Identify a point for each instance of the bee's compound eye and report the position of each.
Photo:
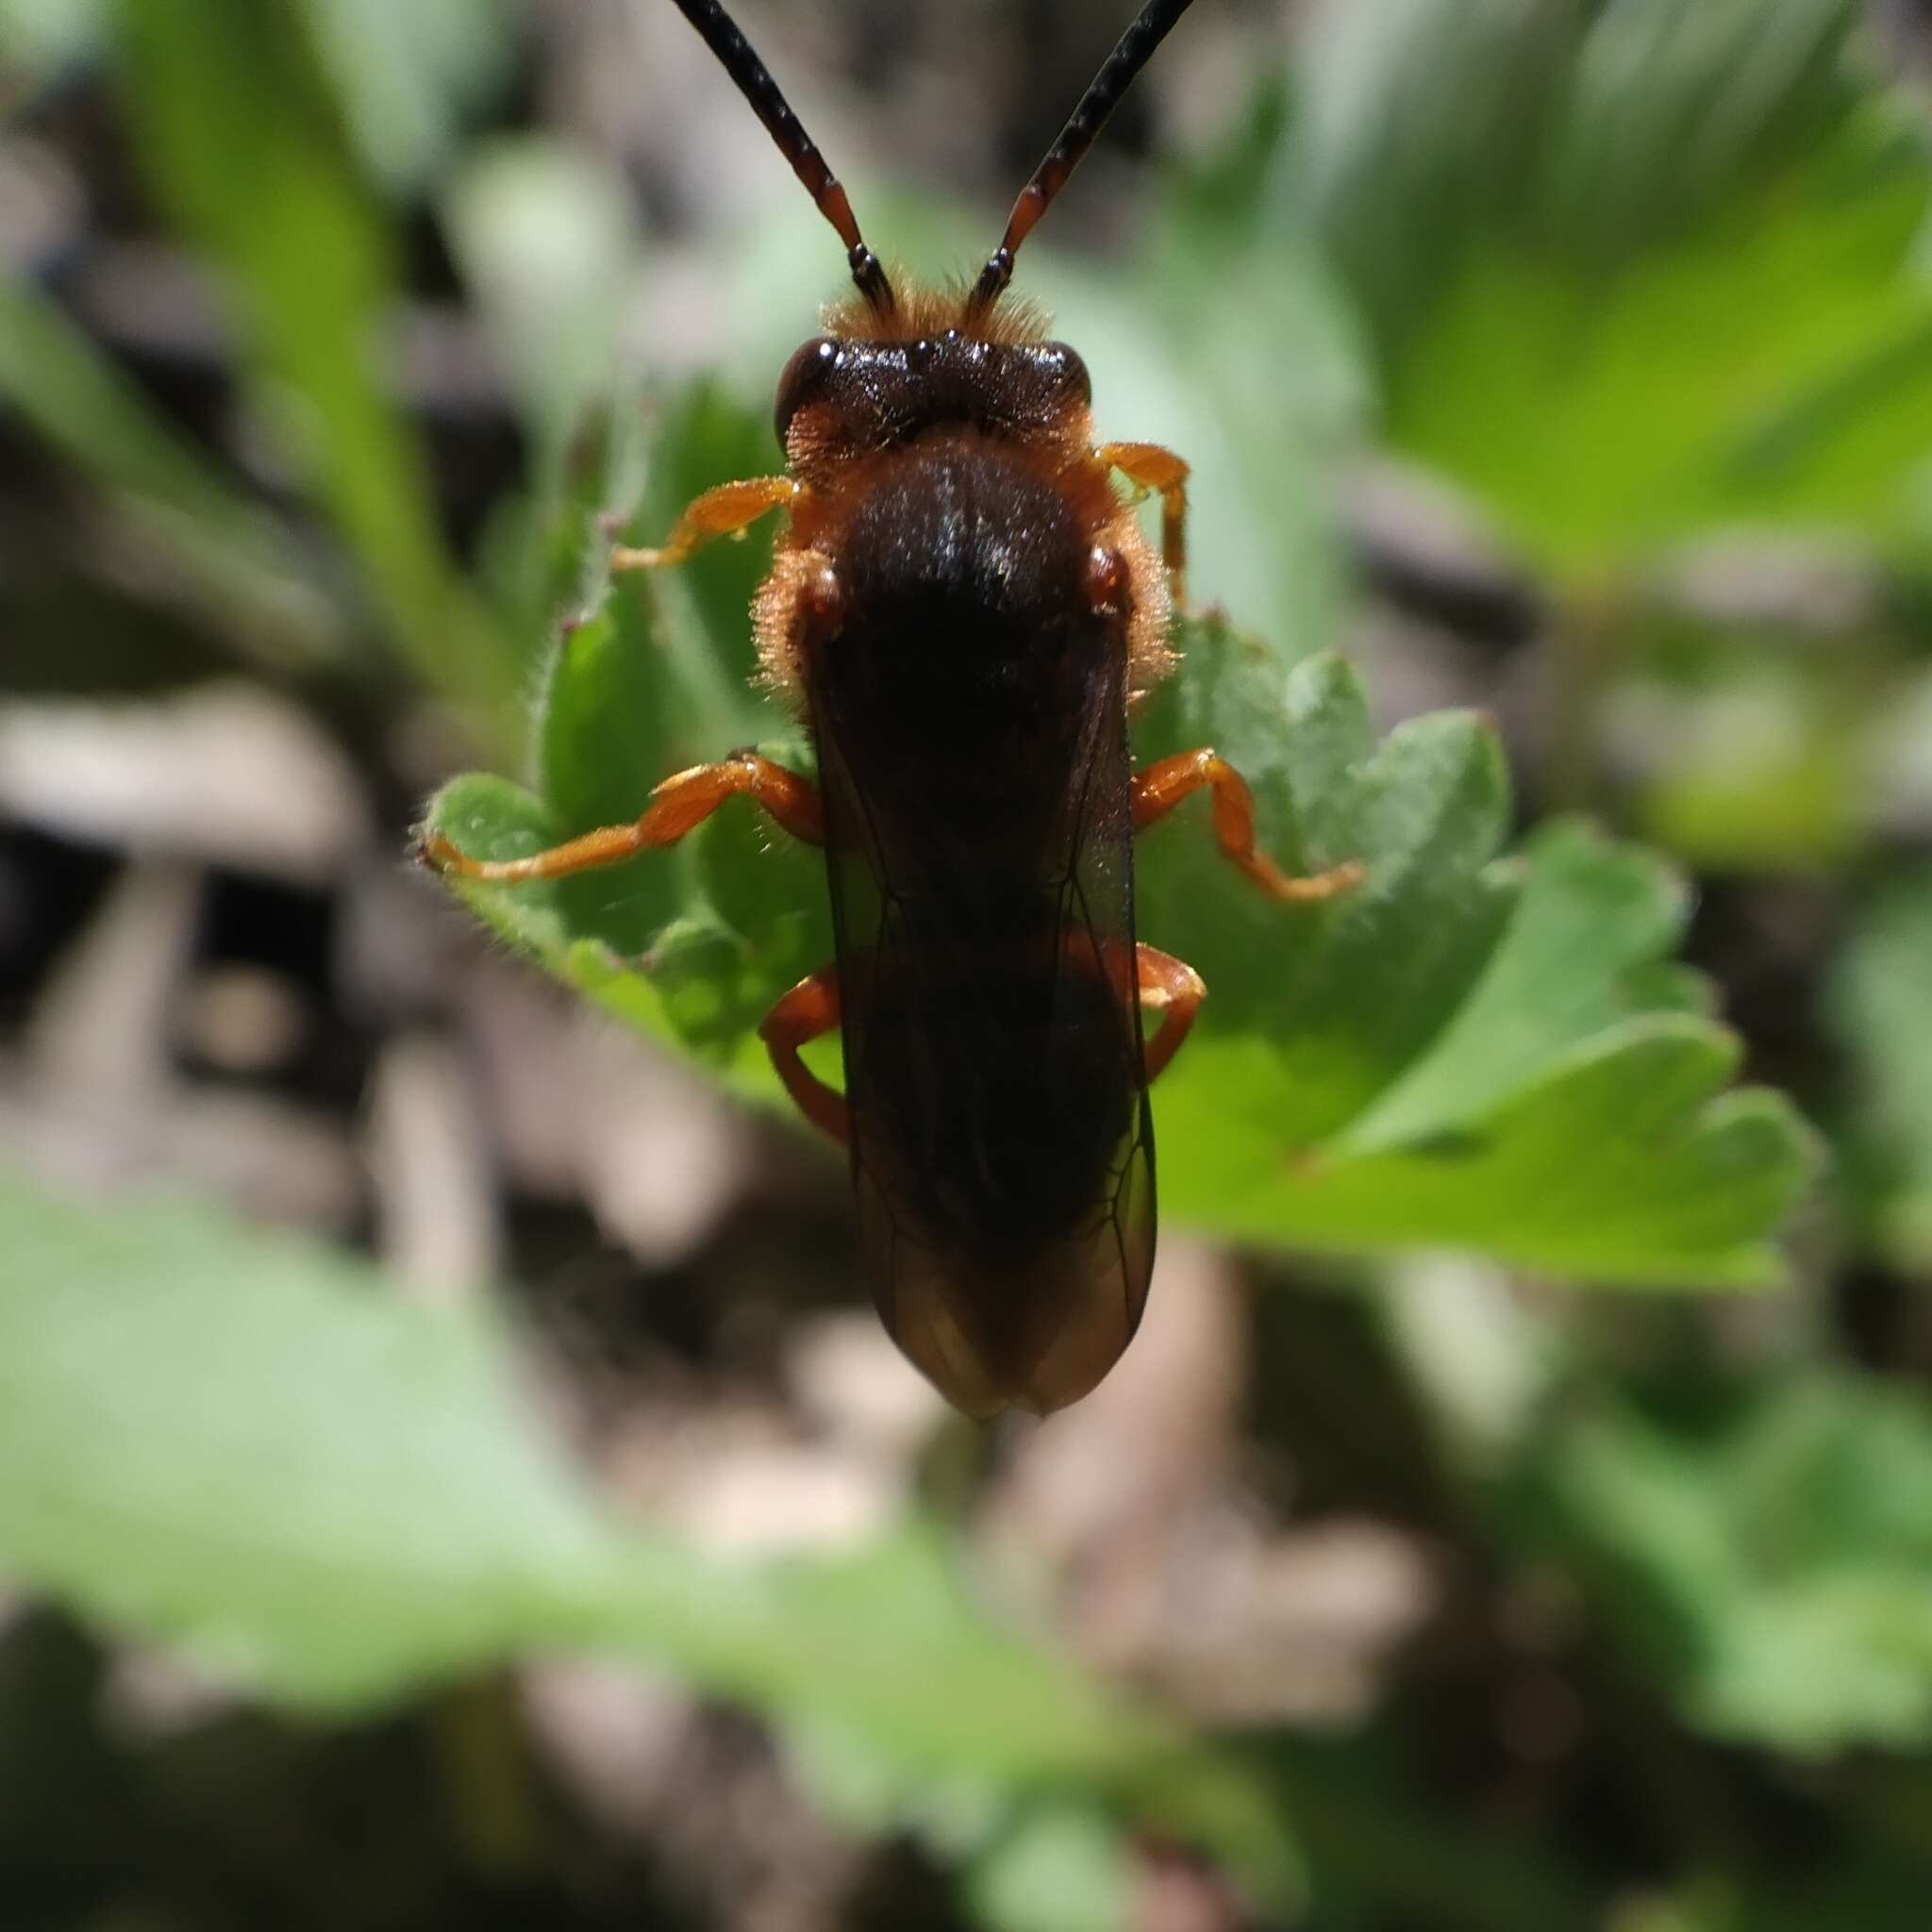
(1069, 372)
(1106, 580)
(804, 379)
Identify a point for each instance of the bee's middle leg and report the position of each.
(1162, 786)
(679, 805)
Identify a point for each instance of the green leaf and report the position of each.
(1774, 366)
(1063, 1870)
(1592, 130)
(1416, 119)
(262, 1451)
(1776, 1569)
(1747, 749)
(241, 138)
(1623, 1164)
(1592, 920)
(1670, 109)
(1468, 1051)
(238, 1443)
(1642, 271)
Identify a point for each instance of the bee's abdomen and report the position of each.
(971, 718)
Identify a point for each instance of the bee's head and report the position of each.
(871, 393)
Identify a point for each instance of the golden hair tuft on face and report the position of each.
(920, 313)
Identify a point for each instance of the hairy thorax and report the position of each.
(969, 649)
(948, 481)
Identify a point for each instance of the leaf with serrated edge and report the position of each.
(1467, 1050)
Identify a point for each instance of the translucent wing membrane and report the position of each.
(1001, 1148)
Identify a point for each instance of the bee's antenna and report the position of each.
(754, 80)
(1116, 75)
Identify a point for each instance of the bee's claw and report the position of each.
(432, 851)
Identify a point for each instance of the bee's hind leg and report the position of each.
(729, 510)
(808, 1011)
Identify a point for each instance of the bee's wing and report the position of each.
(1002, 1149)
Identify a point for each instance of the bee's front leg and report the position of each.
(729, 510)
(1151, 466)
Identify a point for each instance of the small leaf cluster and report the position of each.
(1468, 1050)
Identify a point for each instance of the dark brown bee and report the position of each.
(962, 608)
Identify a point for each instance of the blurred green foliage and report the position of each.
(242, 140)
(1771, 1563)
(1880, 1003)
(1644, 282)
(172, 1401)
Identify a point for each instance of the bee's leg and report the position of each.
(1174, 991)
(1148, 466)
(677, 806)
(808, 1010)
(1162, 786)
(726, 511)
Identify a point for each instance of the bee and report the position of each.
(962, 608)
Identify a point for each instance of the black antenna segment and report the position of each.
(754, 80)
(1116, 75)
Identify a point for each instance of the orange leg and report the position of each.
(1174, 990)
(677, 806)
(1161, 787)
(1148, 466)
(726, 511)
(1168, 987)
(809, 1010)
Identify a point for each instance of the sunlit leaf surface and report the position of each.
(1473, 1050)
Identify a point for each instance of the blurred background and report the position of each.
(1568, 360)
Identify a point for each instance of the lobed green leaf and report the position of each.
(1467, 1050)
